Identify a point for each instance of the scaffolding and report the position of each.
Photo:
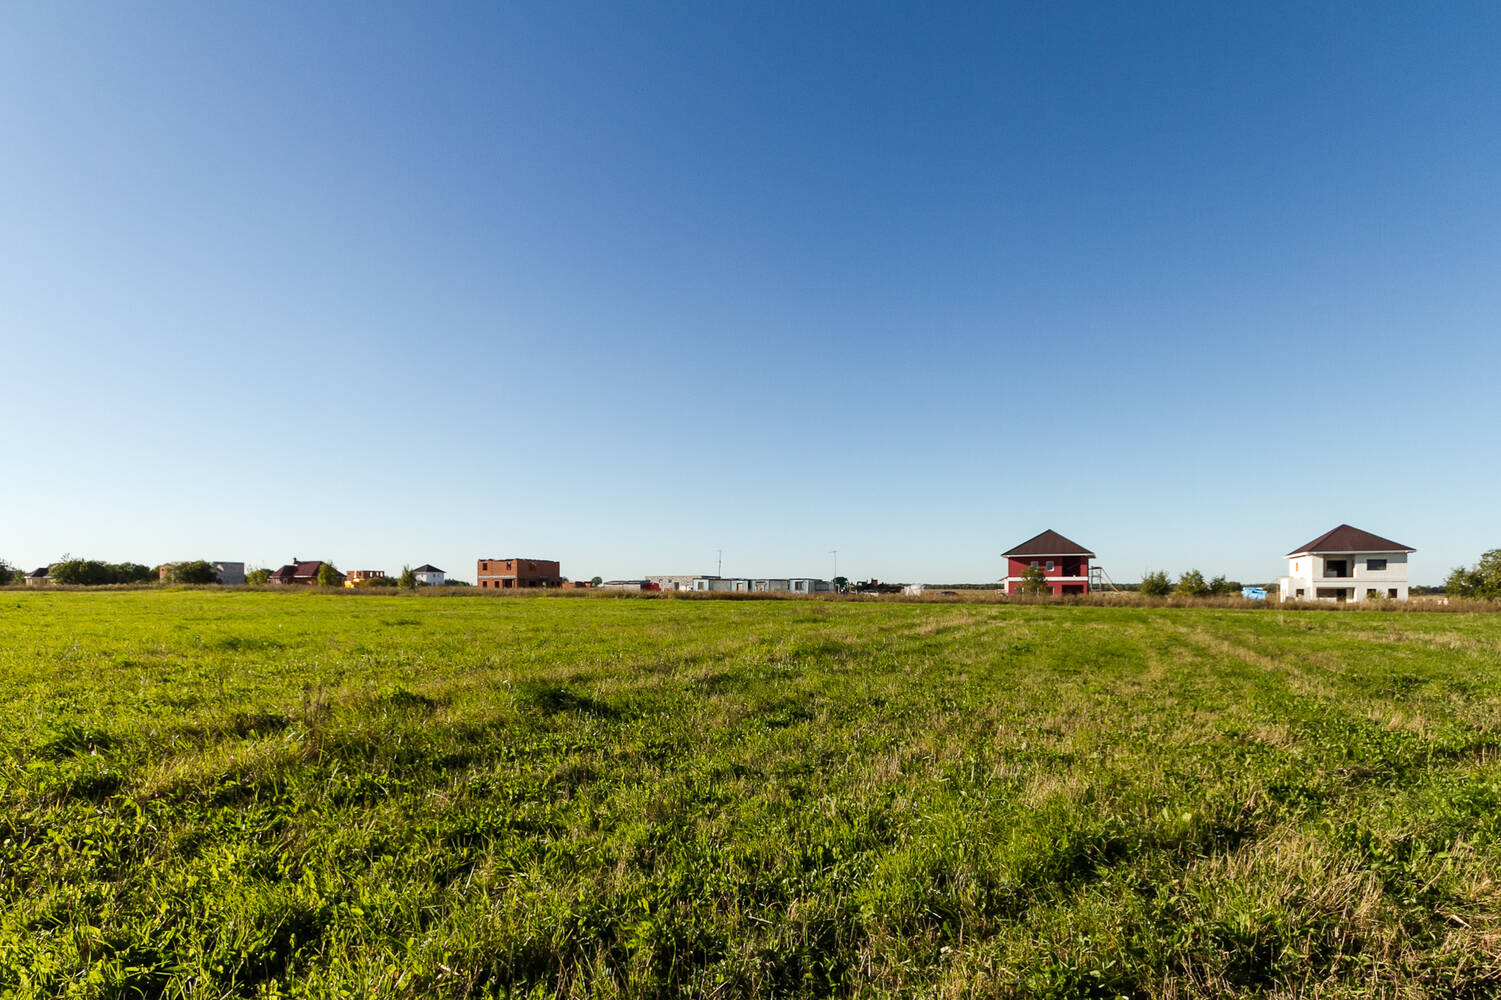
(1099, 578)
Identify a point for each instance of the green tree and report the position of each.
(597, 580)
(1034, 581)
(258, 577)
(329, 575)
(82, 573)
(1220, 587)
(197, 571)
(1191, 584)
(408, 579)
(1155, 584)
(9, 574)
(1483, 580)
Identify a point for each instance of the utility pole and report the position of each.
(719, 566)
(835, 554)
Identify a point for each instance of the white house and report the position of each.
(429, 575)
(1346, 564)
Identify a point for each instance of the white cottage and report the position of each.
(429, 575)
(1346, 564)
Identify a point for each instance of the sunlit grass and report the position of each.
(258, 794)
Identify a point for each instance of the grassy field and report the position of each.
(208, 794)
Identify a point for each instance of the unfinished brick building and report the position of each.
(507, 574)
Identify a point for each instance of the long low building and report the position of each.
(761, 585)
(680, 582)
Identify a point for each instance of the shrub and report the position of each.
(1191, 584)
(258, 577)
(1156, 584)
(197, 571)
(329, 575)
(408, 578)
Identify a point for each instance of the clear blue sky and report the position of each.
(624, 284)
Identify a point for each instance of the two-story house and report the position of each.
(1346, 564)
(511, 573)
(1064, 564)
(429, 575)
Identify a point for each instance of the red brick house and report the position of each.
(1064, 563)
(506, 574)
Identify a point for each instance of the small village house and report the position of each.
(230, 574)
(37, 577)
(515, 573)
(1064, 564)
(302, 573)
(1346, 564)
(429, 575)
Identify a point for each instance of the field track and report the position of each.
(217, 794)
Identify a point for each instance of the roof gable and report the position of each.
(1049, 543)
(427, 568)
(1347, 539)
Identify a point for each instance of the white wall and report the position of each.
(1307, 572)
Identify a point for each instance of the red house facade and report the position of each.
(1064, 563)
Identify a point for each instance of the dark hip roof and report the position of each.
(1348, 539)
(1049, 543)
(427, 568)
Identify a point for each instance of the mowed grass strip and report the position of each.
(207, 794)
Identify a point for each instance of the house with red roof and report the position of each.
(1346, 564)
(300, 573)
(1064, 563)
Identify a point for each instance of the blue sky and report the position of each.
(623, 285)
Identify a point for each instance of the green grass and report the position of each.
(208, 794)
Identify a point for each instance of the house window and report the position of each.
(1034, 563)
(1300, 592)
(1375, 564)
(1050, 565)
(1392, 593)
